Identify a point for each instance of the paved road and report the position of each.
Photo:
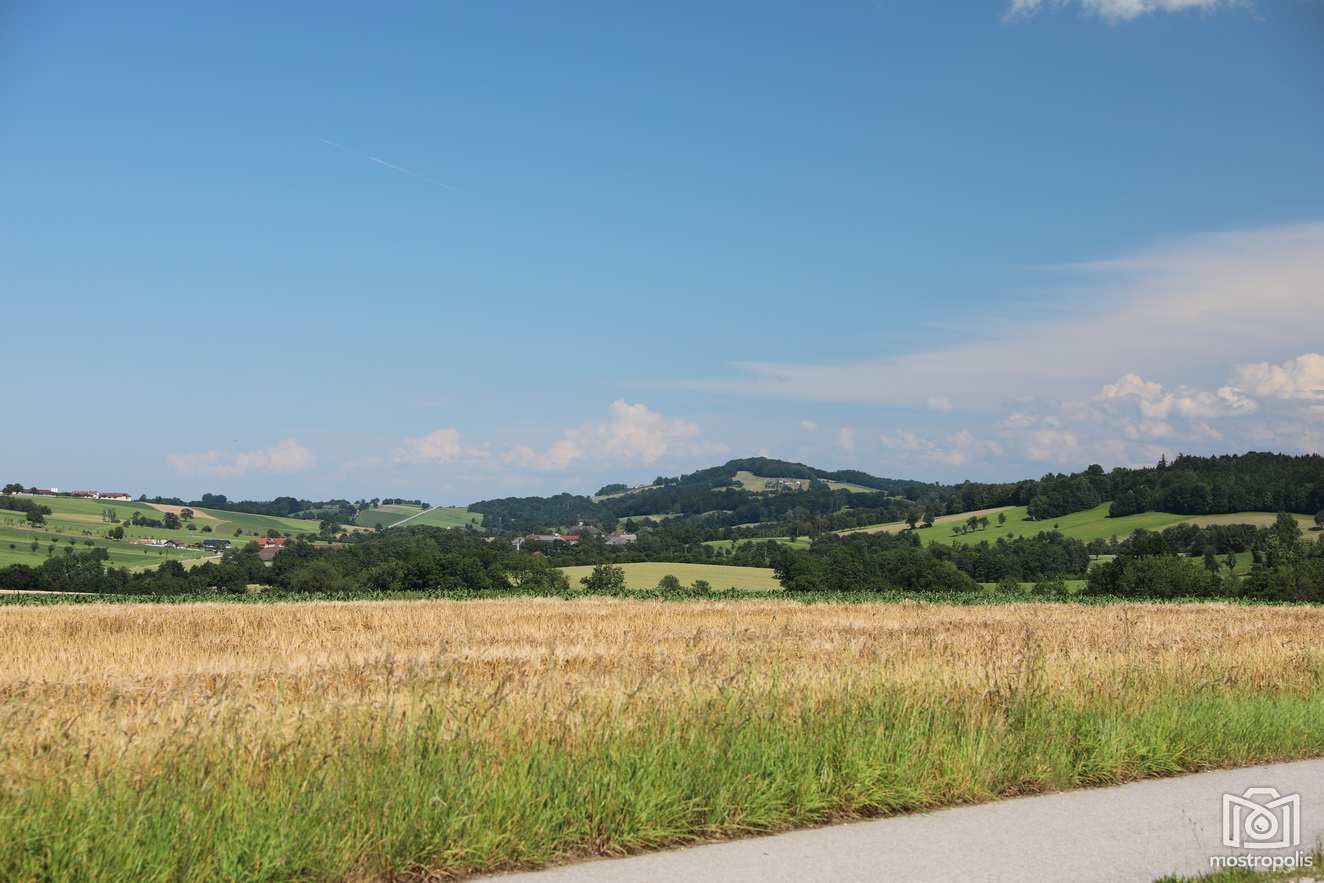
(1139, 832)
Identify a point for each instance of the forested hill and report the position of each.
(714, 497)
(718, 496)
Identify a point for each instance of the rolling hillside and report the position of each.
(1092, 524)
(761, 483)
(84, 522)
(385, 516)
(413, 516)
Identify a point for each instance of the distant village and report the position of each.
(615, 538)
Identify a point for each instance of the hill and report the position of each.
(443, 516)
(84, 524)
(1092, 524)
(385, 516)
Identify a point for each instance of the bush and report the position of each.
(605, 578)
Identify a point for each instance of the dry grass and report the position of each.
(92, 694)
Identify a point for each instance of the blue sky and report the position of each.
(458, 250)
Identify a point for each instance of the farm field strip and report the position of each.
(723, 545)
(386, 515)
(367, 740)
(645, 575)
(751, 482)
(443, 516)
(1091, 524)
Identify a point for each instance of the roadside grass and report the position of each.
(646, 575)
(401, 740)
(1244, 875)
(1091, 524)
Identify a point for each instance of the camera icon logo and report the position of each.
(1261, 818)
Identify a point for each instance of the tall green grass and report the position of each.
(404, 795)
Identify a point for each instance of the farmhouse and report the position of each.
(268, 552)
(264, 542)
(621, 538)
(570, 538)
(215, 544)
(784, 484)
(102, 495)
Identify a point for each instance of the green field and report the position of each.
(758, 483)
(81, 520)
(385, 516)
(444, 516)
(721, 576)
(1092, 524)
(724, 545)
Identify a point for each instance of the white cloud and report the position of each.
(846, 438)
(286, 455)
(808, 426)
(956, 449)
(1299, 378)
(439, 446)
(631, 434)
(1115, 11)
(1153, 402)
(1153, 314)
(1056, 445)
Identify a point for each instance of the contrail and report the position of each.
(390, 165)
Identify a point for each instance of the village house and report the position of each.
(568, 538)
(621, 538)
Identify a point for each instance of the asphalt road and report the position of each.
(1134, 832)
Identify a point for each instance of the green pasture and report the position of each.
(16, 548)
(385, 516)
(646, 575)
(82, 521)
(727, 545)
(445, 516)
(758, 483)
(1091, 524)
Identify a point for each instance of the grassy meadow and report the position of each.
(721, 576)
(751, 482)
(1091, 524)
(368, 740)
(442, 516)
(385, 516)
(447, 516)
(81, 521)
(724, 545)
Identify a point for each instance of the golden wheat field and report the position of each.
(600, 725)
(122, 677)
